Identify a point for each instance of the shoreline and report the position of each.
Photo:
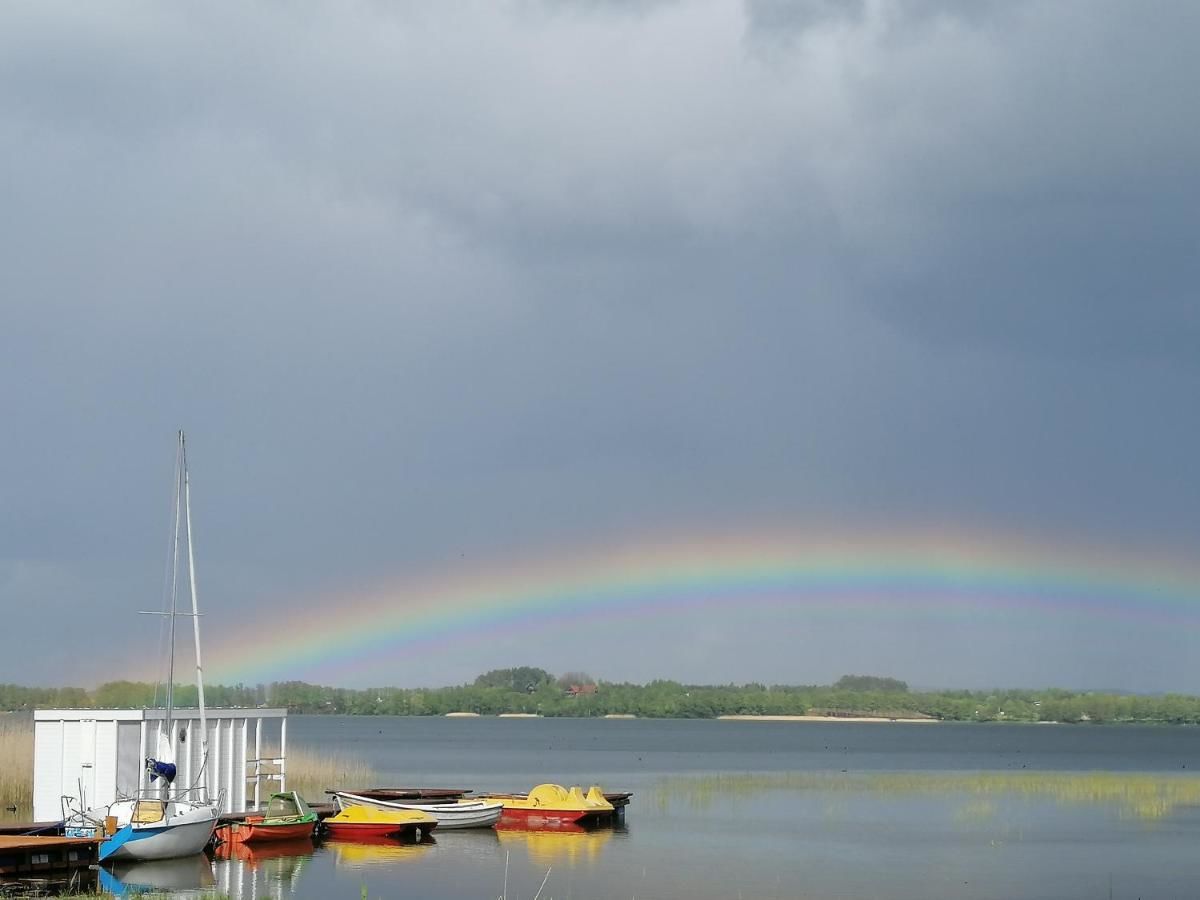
(746, 718)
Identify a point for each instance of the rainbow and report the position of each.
(931, 573)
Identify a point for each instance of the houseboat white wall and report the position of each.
(102, 753)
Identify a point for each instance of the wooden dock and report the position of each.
(31, 828)
(23, 854)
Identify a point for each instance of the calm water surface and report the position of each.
(762, 810)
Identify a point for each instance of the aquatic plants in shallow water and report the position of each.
(1138, 795)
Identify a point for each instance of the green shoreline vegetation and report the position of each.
(535, 691)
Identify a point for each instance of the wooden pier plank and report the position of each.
(36, 853)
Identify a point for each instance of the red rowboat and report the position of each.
(286, 818)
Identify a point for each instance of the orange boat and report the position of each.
(286, 818)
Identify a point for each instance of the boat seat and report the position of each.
(146, 811)
(548, 795)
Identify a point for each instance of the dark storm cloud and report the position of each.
(1015, 175)
(781, 18)
(792, 18)
(444, 280)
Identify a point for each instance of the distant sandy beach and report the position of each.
(821, 719)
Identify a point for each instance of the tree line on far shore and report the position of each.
(532, 690)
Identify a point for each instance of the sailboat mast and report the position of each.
(187, 507)
(180, 462)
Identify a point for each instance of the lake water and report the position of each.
(727, 809)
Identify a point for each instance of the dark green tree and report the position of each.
(524, 679)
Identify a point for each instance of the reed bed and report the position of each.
(16, 763)
(312, 773)
(1135, 795)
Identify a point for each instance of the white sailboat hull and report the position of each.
(465, 814)
(183, 834)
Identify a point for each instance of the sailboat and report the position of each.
(164, 820)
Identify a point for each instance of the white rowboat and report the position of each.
(451, 814)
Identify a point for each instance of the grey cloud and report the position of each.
(768, 17)
(989, 194)
(479, 279)
(772, 21)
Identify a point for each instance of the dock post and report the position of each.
(258, 763)
(283, 756)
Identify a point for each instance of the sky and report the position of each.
(443, 292)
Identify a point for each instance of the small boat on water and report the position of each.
(151, 829)
(363, 822)
(450, 814)
(286, 818)
(548, 805)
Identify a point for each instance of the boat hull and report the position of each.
(167, 839)
(450, 816)
(250, 832)
(349, 831)
(516, 817)
(363, 821)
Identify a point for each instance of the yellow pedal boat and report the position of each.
(362, 822)
(550, 805)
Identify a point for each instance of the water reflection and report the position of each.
(365, 852)
(256, 854)
(175, 876)
(477, 844)
(271, 869)
(568, 844)
(1145, 796)
(50, 884)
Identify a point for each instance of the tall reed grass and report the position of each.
(16, 763)
(312, 773)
